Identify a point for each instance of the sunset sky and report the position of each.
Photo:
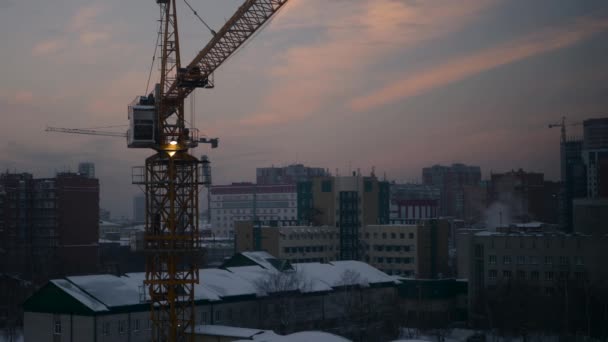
(341, 84)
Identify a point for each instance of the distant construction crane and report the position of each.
(563, 125)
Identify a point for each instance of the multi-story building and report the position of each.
(542, 266)
(291, 174)
(415, 250)
(412, 202)
(347, 203)
(451, 180)
(595, 156)
(573, 177)
(86, 169)
(51, 226)
(247, 201)
(525, 195)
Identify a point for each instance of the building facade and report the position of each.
(347, 203)
(545, 267)
(416, 250)
(247, 201)
(413, 202)
(595, 156)
(451, 180)
(51, 225)
(291, 174)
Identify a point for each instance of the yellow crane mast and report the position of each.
(171, 177)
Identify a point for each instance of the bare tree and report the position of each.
(281, 289)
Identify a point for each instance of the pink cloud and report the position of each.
(309, 77)
(47, 47)
(84, 17)
(460, 68)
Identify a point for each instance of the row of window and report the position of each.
(392, 235)
(259, 211)
(534, 275)
(393, 248)
(534, 260)
(308, 249)
(106, 327)
(396, 260)
(534, 242)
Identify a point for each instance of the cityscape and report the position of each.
(458, 193)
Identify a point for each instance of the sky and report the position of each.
(394, 85)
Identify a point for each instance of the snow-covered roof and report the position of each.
(110, 289)
(79, 295)
(303, 336)
(261, 258)
(104, 292)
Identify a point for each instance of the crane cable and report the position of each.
(153, 58)
(199, 18)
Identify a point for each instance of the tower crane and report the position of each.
(171, 176)
(563, 125)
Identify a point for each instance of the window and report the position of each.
(380, 259)
(492, 259)
(411, 235)
(578, 260)
(506, 274)
(521, 275)
(326, 186)
(218, 315)
(506, 260)
(521, 259)
(122, 326)
(548, 260)
(548, 275)
(57, 326)
(136, 325)
(532, 260)
(492, 274)
(563, 260)
(534, 275)
(401, 235)
(105, 328)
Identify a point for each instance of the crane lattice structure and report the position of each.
(171, 177)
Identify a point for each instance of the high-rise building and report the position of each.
(451, 181)
(574, 179)
(290, 174)
(139, 209)
(86, 169)
(595, 156)
(347, 202)
(248, 201)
